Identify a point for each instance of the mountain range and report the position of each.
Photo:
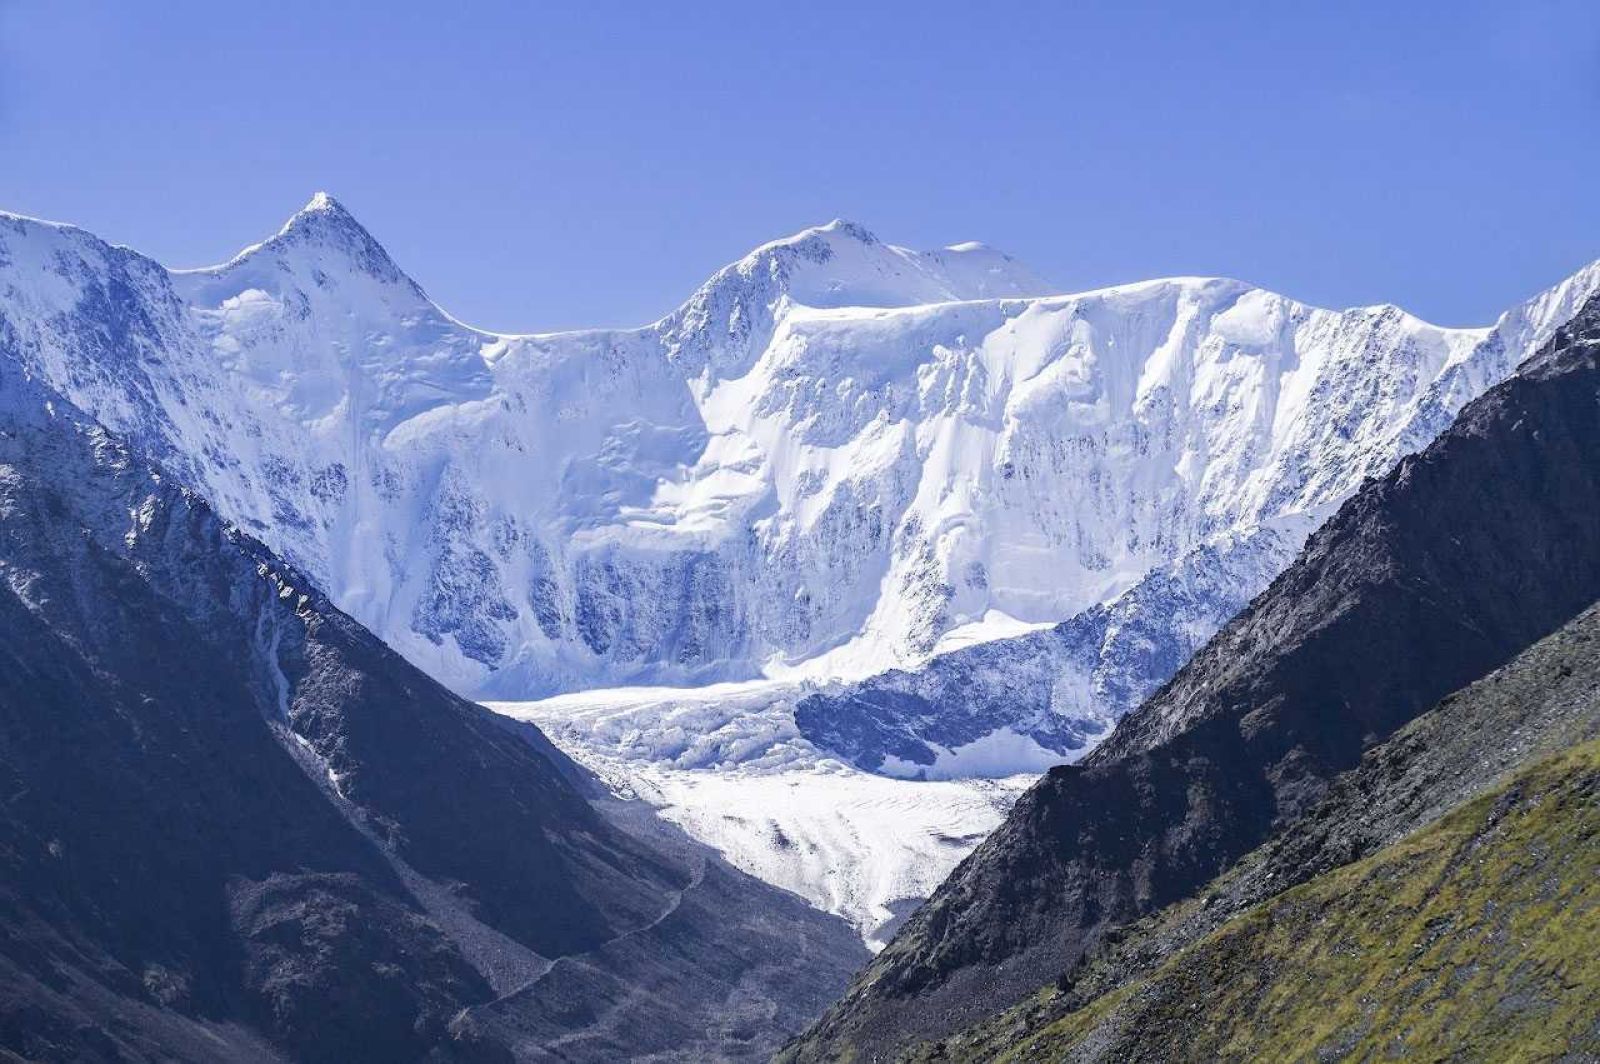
(833, 456)
(935, 523)
(826, 566)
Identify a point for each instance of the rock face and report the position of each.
(1119, 1001)
(836, 449)
(237, 825)
(1427, 579)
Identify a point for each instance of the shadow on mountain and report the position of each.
(235, 825)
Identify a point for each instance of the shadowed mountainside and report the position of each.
(234, 824)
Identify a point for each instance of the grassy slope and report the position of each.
(1477, 938)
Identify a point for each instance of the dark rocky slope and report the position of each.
(1426, 580)
(1543, 703)
(1475, 939)
(234, 825)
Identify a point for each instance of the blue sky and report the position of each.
(540, 166)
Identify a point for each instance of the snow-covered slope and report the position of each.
(838, 457)
(836, 450)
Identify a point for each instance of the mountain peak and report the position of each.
(843, 263)
(323, 227)
(842, 227)
(839, 264)
(322, 201)
(323, 215)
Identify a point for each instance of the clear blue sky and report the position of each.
(540, 166)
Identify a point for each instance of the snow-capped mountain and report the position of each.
(524, 514)
(836, 449)
(838, 457)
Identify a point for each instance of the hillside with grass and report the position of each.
(1477, 938)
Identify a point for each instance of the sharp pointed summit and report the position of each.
(324, 242)
(323, 214)
(321, 205)
(326, 222)
(322, 201)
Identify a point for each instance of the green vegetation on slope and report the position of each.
(1477, 938)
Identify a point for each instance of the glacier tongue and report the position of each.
(726, 763)
(928, 520)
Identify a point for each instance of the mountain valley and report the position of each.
(378, 685)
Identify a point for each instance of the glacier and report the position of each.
(727, 764)
(894, 527)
